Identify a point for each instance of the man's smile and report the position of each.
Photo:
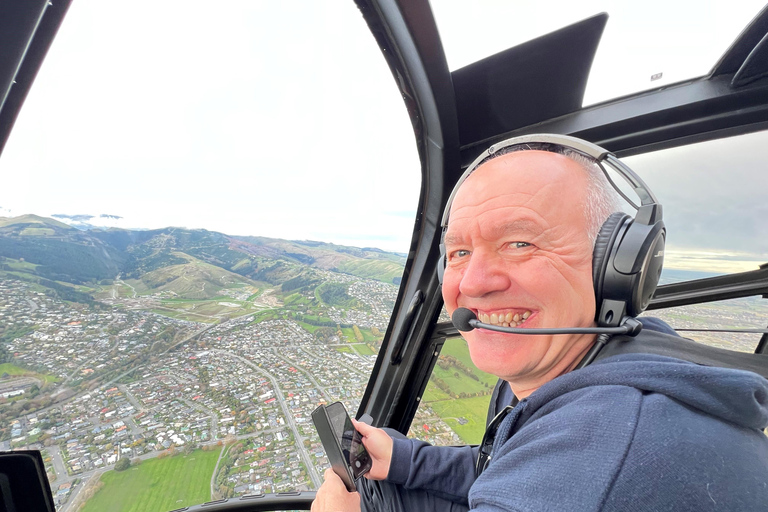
(504, 318)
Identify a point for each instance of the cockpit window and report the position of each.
(204, 219)
(713, 194)
(645, 45)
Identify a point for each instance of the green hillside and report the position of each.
(194, 264)
(25, 220)
(382, 270)
(194, 279)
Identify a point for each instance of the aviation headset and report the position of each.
(628, 252)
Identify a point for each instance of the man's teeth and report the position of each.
(504, 320)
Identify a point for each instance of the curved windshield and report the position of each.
(204, 218)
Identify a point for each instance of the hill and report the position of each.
(193, 279)
(193, 264)
(60, 252)
(32, 220)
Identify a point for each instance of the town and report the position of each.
(167, 385)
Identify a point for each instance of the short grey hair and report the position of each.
(602, 199)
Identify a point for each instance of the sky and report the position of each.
(282, 119)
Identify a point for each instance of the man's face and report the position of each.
(518, 252)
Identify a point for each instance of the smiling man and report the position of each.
(518, 247)
(628, 432)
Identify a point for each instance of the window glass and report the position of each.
(454, 406)
(713, 194)
(644, 45)
(745, 313)
(204, 219)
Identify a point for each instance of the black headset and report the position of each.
(628, 253)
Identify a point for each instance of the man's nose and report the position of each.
(484, 274)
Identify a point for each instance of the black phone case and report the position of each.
(332, 447)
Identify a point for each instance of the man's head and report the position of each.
(519, 247)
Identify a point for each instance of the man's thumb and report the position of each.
(363, 428)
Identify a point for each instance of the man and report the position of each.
(630, 432)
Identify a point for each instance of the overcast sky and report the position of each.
(281, 118)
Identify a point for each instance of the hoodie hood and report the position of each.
(736, 396)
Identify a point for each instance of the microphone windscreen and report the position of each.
(461, 318)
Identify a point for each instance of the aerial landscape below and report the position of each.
(161, 368)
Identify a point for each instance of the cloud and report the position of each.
(713, 194)
(74, 218)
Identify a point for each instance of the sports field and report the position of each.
(157, 485)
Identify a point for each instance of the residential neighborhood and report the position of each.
(171, 385)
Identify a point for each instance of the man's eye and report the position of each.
(461, 253)
(520, 245)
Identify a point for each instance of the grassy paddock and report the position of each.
(12, 369)
(157, 485)
(433, 393)
(368, 336)
(474, 410)
(307, 327)
(363, 349)
(457, 348)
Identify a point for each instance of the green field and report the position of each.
(474, 410)
(23, 266)
(457, 348)
(363, 349)
(433, 393)
(157, 485)
(343, 348)
(368, 336)
(13, 370)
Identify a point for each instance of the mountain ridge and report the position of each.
(157, 257)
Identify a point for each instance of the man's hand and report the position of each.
(333, 496)
(379, 446)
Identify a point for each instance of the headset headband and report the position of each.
(600, 155)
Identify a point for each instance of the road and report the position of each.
(299, 440)
(58, 463)
(216, 469)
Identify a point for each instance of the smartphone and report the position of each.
(343, 444)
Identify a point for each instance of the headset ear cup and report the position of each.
(604, 243)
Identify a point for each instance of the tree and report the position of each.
(123, 464)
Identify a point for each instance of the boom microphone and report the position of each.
(465, 320)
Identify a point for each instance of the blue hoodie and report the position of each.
(627, 433)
